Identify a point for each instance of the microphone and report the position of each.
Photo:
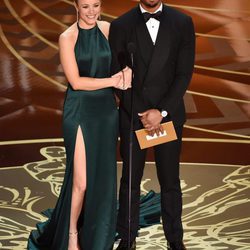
(131, 50)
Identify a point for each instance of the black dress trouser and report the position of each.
(167, 158)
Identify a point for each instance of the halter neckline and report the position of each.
(80, 28)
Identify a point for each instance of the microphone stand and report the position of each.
(131, 147)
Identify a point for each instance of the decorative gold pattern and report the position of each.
(213, 212)
(60, 84)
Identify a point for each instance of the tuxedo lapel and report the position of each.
(161, 48)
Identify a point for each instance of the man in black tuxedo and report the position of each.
(164, 42)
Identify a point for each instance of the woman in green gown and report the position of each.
(85, 214)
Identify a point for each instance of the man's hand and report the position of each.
(127, 76)
(151, 120)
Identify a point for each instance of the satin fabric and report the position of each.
(95, 113)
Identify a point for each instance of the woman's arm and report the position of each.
(68, 61)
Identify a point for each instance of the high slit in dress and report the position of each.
(95, 113)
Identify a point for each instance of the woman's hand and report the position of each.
(125, 77)
(117, 81)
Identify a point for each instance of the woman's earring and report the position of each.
(99, 17)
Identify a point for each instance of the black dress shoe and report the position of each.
(176, 245)
(123, 245)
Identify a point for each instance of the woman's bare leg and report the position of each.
(78, 189)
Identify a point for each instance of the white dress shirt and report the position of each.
(153, 24)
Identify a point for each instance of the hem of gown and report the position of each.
(36, 233)
(150, 213)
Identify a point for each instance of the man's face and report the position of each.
(150, 4)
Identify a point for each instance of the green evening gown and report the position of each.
(96, 114)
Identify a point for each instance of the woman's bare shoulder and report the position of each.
(104, 27)
(70, 34)
(104, 23)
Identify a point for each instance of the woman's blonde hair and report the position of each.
(76, 1)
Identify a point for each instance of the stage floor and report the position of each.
(215, 196)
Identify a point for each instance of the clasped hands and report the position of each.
(123, 79)
(151, 120)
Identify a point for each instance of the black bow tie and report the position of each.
(148, 15)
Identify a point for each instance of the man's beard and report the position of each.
(149, 5)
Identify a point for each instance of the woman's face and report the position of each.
(89, 11)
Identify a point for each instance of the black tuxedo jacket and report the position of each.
(162, 71)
